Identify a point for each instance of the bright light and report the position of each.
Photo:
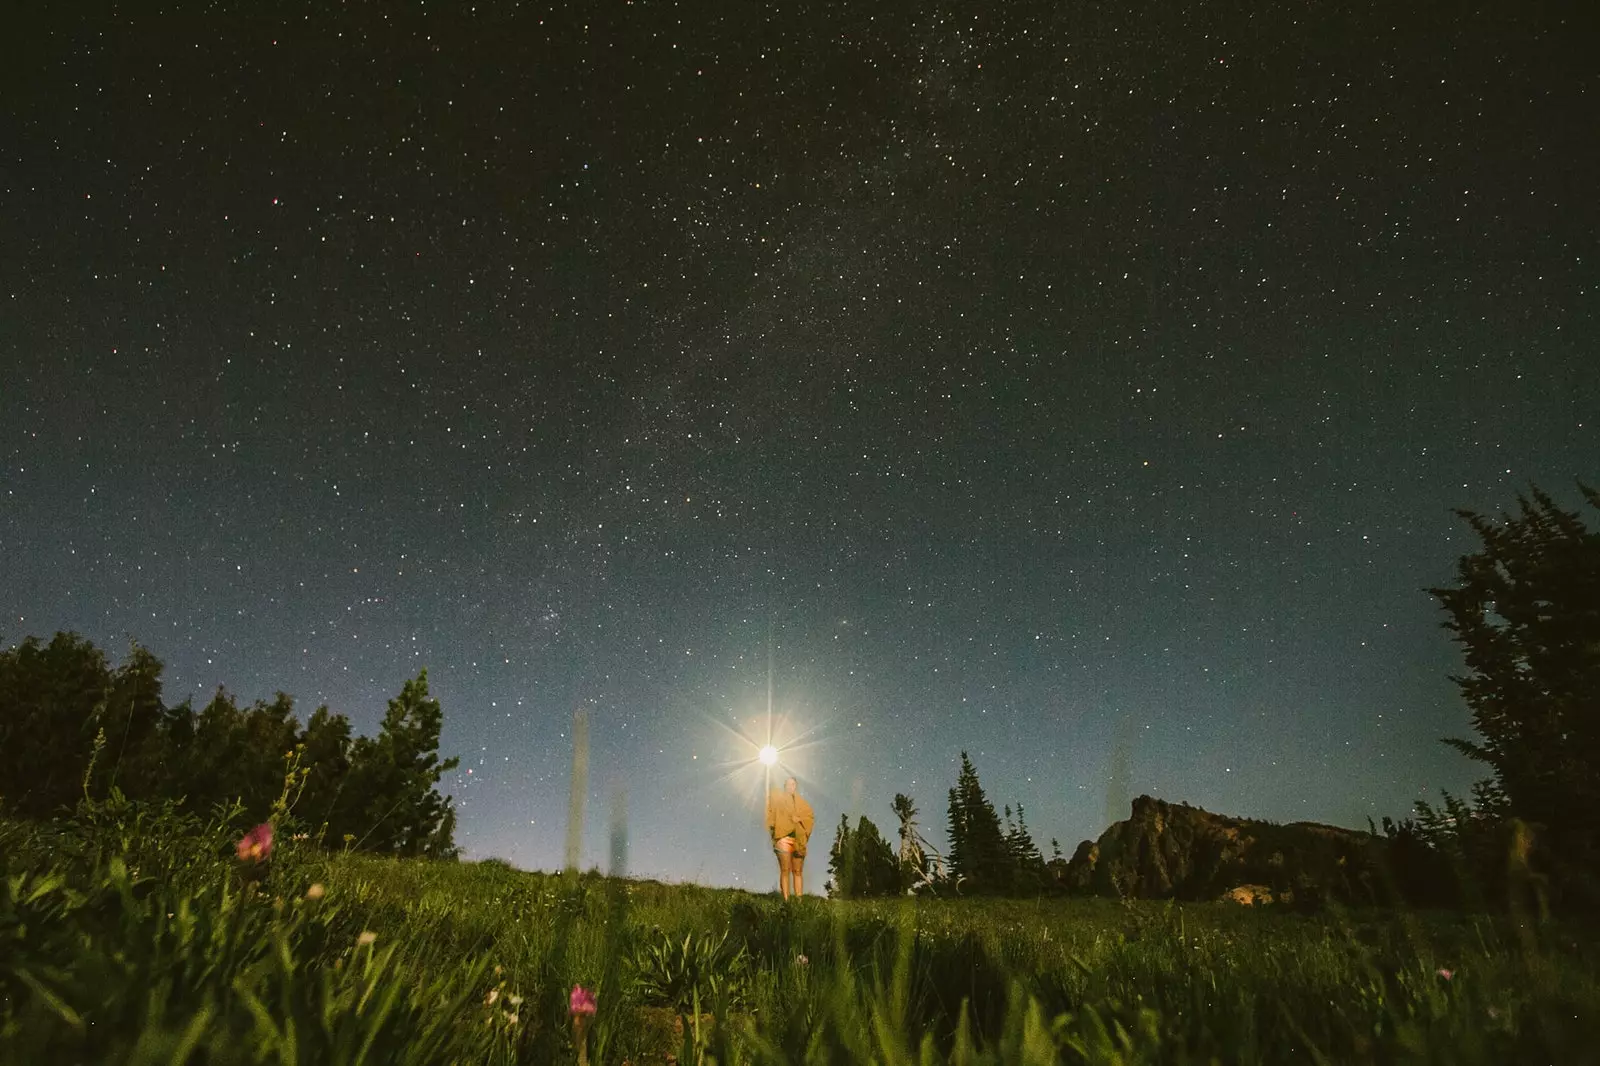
(769, 756)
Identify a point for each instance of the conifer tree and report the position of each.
(861, 862)
(979, 858)
(838, 859)
(1026, 862)
(956, 830)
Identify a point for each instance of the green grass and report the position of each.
(139, 939)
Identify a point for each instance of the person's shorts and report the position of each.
(797, 847)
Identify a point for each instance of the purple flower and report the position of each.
(256, 844)
(582, 1001)
(1446, 974)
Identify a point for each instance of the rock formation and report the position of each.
(1167, 851)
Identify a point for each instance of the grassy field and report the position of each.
(139, 937)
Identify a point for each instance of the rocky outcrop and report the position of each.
(1168, 851)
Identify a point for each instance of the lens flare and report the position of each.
(768, 756)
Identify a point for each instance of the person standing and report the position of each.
(789, 820)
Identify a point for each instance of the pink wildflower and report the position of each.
(256, 844)
(1446, 974)
(582, 1007)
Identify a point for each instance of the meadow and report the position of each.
(138, 935)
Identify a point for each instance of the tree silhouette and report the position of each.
(392, 778)
(1526, 613)
(980, 861)
(1028, 873)
(61, 702)
(133, 718)
(861, 863)
(912, 860)
(325, 806)
(51, 696)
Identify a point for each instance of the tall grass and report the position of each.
(134, 936)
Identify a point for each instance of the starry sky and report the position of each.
(1085, 386)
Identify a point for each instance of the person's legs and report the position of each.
(783, 873)
(797, 864)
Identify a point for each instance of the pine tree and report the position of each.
(956, 829)
(1055, 871)
(877, 870)
(979, 858)
(1027, 863)
(839, 876)
(861, 862)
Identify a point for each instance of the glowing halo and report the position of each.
(768, 755)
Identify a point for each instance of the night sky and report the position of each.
(1086, 386)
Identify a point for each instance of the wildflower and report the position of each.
(512, 1019)
(801, 960)
(514, 1000)
(367, 937)
(494, 994)
(256, 844)
(1446, 974)
(316, 891)
(582, 1007)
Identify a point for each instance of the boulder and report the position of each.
(1250, 895)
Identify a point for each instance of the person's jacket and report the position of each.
(787, 814)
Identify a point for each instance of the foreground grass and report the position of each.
(144, 941)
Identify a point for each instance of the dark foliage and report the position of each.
(52, 700)
(1526, 612)
(986, 856)
(1028, 873)
(392, 777)
(980, 859)
(861, 863)
(72, 728)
